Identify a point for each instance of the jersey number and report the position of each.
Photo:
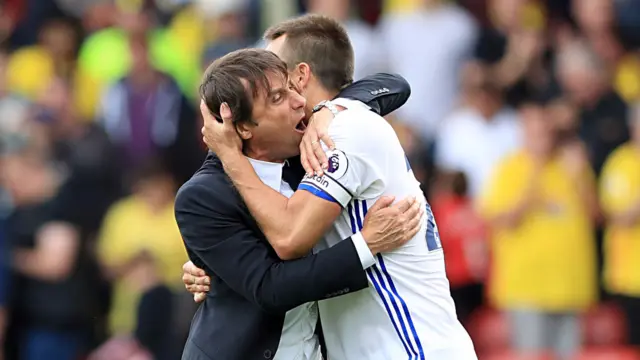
(433, 236)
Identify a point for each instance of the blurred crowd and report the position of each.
(523, 128)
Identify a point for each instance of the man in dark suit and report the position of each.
(257, 307)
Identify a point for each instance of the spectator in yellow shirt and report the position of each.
(30, 69)
(620, 198)
(143, 222)
(543, 247)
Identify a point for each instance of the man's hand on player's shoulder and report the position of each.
(195, 281)
(220, 137)
(387, 227)
(312, 155)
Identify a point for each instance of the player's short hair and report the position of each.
(237, 79)
(321, 42)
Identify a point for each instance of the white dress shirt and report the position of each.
(298, 340)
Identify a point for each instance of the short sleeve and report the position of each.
(358, 162)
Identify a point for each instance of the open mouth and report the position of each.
(302, 125)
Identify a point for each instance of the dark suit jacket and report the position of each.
(252, 289)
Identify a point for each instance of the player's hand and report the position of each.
(387, 226)
(221, 137)
(195, 281)
(312, 155)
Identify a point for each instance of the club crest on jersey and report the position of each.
(338, 164)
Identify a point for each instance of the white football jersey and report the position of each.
(407, 311)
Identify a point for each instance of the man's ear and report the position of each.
(301, 76)
(244, 130)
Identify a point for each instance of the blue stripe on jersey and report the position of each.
(404, 306)
(376, 285)
(353, 220)
(381, 288)
(318, 192)
(395, 291)
(356, 205)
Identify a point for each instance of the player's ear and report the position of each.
(244, 130)
(301, 75)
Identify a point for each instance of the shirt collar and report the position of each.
(270, 173)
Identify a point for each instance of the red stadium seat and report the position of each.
(604, 325)
(512, 355)
(489, 330)
(609, 353)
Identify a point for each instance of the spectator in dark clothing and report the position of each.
(47, 264)
(154, 335)
(83, 151)
(51, 234)
(603, 114)
(628, 16)
(154, 330)
(28, 16)
(513, 47)
(146, 116)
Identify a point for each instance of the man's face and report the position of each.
(297, 82)
(279, 114)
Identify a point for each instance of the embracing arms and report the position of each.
(222, 244)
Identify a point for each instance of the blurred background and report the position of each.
(523, 128)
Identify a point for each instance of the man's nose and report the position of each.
(297, 100)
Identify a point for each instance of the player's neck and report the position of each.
(317, 94)
(256, 154)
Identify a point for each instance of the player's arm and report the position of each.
(293, 226)
(386, 227)
(383, 93)
(231, 252)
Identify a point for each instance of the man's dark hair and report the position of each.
(237, 78)
(322, 43)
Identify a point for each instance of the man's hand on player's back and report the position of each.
(386, 228)
(195, 280)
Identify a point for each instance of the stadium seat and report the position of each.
(609, 353)
(604, 325)
(489, 330)
(512, 355)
